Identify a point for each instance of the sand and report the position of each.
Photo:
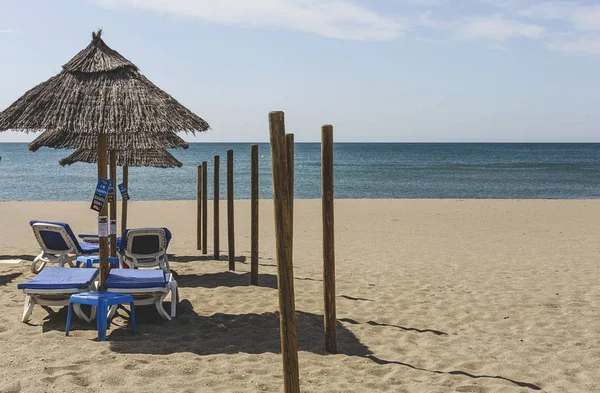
(432, 296)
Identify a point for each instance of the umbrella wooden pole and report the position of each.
(102, 218)
(254, 215)
(113, 204)
(289, 151)
(216, 209)
(328, 239)
(204, 207)
(283, 240)
(199, 210)
(124, 201)
(230, 214)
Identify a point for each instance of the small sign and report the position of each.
(113, 227)
(102, 226)
(100, 195)
(124, 192)
(111, 192)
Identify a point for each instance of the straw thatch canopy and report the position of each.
(100, 91)
(159, 158)
(62, 139)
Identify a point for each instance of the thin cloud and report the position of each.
(579, 45)
(498, 28)
(341, 19)
(581, 17)
(7, 31)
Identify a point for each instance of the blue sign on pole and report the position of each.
(100, 194)
(111, 192)
(124, 192)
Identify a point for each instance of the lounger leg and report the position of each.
(28, 308)
(113, 311)
(80, 314)
(160, 308)
(69, 315)
(37, 259)
(174, 298)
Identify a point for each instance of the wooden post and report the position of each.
(102, 218)
(204, 207)
(113, 204)
(216, 208)
(283, 239)
(230, 216)
(123, 201)
(254, 214)
(199, 209)
(289, 151)
(328, 239)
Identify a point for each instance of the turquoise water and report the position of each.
(362, 170)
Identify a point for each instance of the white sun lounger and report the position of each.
(54, 286)
(146, 286)
(145, 247)
(58, 244)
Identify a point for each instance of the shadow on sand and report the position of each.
(24, 257)
(8, 278)
(252, 333)
(223, 279)
(204, 258)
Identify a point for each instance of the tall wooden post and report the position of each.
(102, 218)
(328, 239)
(283, 239)
(124, 201)
(254, 214)
(216, 208)
(204, 207)
(230, 215)
(113, 204)
(199, 209)
(289, 152)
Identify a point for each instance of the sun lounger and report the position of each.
(147, 287)
(145, 247)
(58, 244)
(54, 286)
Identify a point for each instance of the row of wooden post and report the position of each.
(282, 164)
(202, 210)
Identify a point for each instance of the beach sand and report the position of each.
(432, 296)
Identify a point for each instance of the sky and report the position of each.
(377, 70)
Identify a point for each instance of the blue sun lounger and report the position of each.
(145, 247)
(54, 286)
(58, 244)
(146, 286)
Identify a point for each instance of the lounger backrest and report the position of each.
(146, 246)
(55, 237)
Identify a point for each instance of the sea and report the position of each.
(361, 170)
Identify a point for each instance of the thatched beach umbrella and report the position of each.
(100, 100)
(158, 158)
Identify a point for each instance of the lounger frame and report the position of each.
(56, 297)
(149, 296)
(47, 255)
(158, 259)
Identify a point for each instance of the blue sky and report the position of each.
(379, 70)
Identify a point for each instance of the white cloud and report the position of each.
(581, 17)
(7, 31)
(330, 18)
(428, 21)
(580, 45)
(497, 28)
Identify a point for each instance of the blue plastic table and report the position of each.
(89, 261)
(101, 300)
